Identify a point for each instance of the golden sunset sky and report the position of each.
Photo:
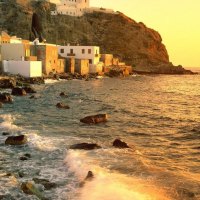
(178, 22)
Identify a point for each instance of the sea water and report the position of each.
(157, 116)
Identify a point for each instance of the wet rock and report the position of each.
(1, 105)
(28, 155)
(46, 183)
(16, 140)
(94, 119)
(61, 105)
(23, 158)
(85, 146)
(119, 144)
(32, 97)
(18, 91)
(29, 89)
(5, 133)
(63, 94)
(89, 176)
(5, 98)
(7, 82)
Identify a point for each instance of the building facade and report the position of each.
(92, 53)
(48, 54)
(71, 7)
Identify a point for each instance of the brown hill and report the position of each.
(118, 34)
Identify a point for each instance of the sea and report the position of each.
(158, 116)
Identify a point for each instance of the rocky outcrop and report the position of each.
(140, 46)
(5, 98)
(6, 82)
(85, 146)
(46, 183)
(16, 140)
(119, 144)
(94, 119)
(18, 91)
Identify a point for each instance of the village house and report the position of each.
(90, 53)
(16, 58)
(48, 54)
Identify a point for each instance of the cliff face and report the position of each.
(132, 42)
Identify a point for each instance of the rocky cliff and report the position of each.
(118, 34)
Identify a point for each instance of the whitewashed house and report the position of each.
(71, 7)
(91, 53)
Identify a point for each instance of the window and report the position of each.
(89, 51)
(83, 51)
(90, 61)
(71, 51)
(61, 50)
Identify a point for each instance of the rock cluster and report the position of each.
(94, 119)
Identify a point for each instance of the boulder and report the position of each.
(5, 98)
(46, 183)
(5, 133)
(119, 144)
(16, 140)
(85, 146)
(29, 89)
(63, 94)
(18, 91)
(61, 105)
(94, 119)
(7, 83)
(31, 189)
(23, 158)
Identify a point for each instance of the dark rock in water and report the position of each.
(85, 146)
(25, 188)
(18, 91)
(7, 83)
(32, 97)
(89, 176)
(63, 94)
(16, 140)
(119, 144)
(29, 90)
(1, 105)
(94, 119)
(5, 98)
(30, 189)
(46, 183)
(28, 155)
(5, 133)
(23, 158)
(61, 105)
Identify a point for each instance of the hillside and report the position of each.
(132, 42)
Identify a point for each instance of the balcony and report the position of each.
(71, 54)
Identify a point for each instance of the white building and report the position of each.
(71, 7)
(81, 52)
(91, 53)
(24, 68)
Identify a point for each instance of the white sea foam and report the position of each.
(7, 124)
(109, 186)
(50, 81)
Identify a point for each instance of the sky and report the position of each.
(178, 22)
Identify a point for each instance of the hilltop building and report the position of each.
(76, 8)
